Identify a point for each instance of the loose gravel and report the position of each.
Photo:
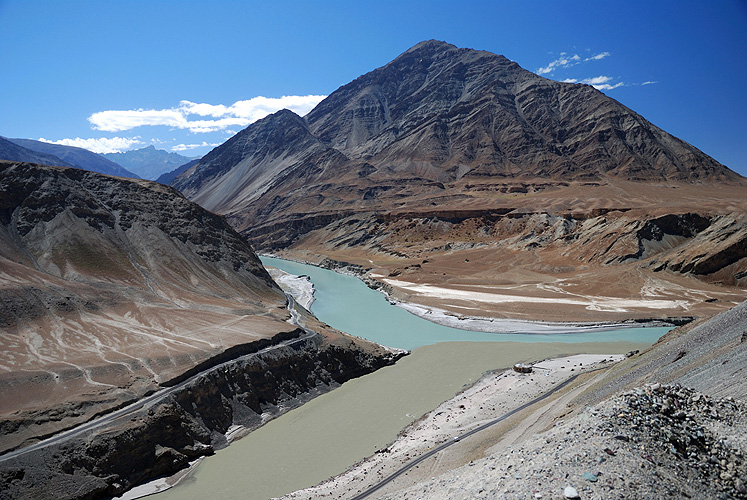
(656, 441)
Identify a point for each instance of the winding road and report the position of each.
(409, 465)
(159, 395)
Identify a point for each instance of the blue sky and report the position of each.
(117, 75)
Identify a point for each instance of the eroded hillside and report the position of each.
(456, 168)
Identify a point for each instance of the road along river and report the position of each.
(335, 430)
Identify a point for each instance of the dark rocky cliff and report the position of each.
(162, 439)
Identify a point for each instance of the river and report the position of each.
(335, 430)
(347, 304)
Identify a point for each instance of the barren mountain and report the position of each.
(111, 287)
(497, 179)
(148, 162)
(13, 152)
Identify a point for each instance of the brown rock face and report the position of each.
(437, 118)
(464, 159)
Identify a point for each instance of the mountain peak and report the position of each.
(431, 46)
(437, 49)
(148, 162)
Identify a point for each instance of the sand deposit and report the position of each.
(300, 287)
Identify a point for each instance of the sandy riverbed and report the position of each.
(300, 287)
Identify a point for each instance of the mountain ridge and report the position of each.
(437, 113)
(454, 79)
(11, 151)
(77, 157)
(148, 162)
(457, 156)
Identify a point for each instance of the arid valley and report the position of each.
(520, 288)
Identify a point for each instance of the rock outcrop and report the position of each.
(163, 438)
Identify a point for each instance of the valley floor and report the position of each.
(466, 284)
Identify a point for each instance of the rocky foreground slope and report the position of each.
(112, 289)
(457, 168)
(670, 423)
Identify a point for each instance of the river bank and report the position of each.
(493, 395)
(325, 436)
(669, 422)
(300, 287)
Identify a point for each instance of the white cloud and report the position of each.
(598, 82)
(566, 61)
(187, 147)
(563, 61)
(238, 114)
(649, 82)
(597, 57)
(607, 86)
(100, 145)
(601, 83)
(117, 121)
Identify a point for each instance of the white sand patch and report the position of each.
(499, 325)
(300, 287)
(158, 485)
(594, 303)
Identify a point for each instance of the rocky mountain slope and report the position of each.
(112, 289)
(148, 162)
(77, 157)
(109, 288)
(490, 174)
(168, 177)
